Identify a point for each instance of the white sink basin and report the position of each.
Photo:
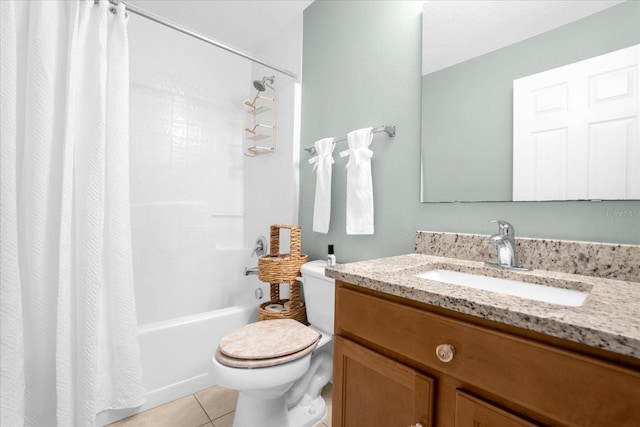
(532, 291)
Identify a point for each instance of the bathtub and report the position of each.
(176, 355)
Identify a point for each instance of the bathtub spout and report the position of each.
(249, 271)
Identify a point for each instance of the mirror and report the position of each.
(467, 82)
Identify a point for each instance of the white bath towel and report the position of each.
(359, 183)
(322, 164)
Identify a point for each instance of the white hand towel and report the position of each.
(322, 164)
(359, 183)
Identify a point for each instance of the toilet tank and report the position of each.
(319, 295)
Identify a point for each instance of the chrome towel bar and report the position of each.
(388, 129)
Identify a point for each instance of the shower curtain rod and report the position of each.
(145, 14)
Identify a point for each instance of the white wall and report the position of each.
(271, 191)
(187, 178)
(198, 204)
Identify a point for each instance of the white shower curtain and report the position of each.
(69, 334)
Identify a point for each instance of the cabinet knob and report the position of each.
(445, 352)
(416, 425)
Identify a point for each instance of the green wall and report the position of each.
(362, 67)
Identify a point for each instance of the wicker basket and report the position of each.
(279, 268)
(276, 268)
(296, 309)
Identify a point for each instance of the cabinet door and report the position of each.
(473, 412)
(373, 390)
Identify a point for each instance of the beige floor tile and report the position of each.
(217, 401)
(224, 421)
(184, 412)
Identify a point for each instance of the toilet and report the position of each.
(280, 366)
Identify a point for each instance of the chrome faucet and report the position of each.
(250, 270)
(505, 241)
(259, 249)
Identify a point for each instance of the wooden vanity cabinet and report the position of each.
(378, 391)
(474, 412)
(387, 371)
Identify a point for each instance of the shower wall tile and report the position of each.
(194, 220)
(187, 182)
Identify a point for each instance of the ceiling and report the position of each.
(243, 24)
(454, 30)
(457, 30)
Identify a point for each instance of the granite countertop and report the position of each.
(608, 319)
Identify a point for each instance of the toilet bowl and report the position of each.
(280, 366)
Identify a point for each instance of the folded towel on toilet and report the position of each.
(359, 182)
(322, 164)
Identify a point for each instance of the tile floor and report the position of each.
(212, 407)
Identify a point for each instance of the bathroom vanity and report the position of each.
(413, 351)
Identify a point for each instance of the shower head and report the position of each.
(262, 85)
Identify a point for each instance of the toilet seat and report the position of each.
(266, 343)
(262, 363)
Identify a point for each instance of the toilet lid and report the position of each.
(268, 339)
(263, 363)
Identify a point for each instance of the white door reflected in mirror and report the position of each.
(576, 132)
